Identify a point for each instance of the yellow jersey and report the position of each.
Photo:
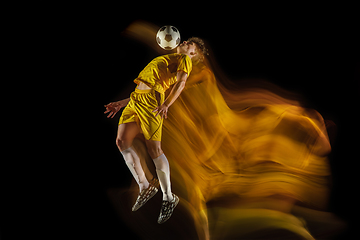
(160, 73)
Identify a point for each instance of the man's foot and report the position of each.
(146, 194)
(167, 209)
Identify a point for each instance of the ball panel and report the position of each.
(168, 37)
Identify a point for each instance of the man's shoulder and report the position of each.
(165, 56)
(170, 55)
(173, 57)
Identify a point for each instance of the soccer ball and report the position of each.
(168, 37)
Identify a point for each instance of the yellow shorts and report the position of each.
(139, 110)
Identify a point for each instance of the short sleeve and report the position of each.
(185, 64)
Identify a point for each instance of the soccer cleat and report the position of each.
(167, 209)
(146, 194)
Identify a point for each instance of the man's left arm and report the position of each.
(174, 94)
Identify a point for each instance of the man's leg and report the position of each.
(125, 137)
(162, 167)
(170, 200)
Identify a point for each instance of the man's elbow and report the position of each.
(181, 83)
(182, 76)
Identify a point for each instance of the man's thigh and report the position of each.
(127, 132)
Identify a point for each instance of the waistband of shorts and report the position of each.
(144, 91)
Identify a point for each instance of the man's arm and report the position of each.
(114, 107)
(174, 94)
(177, 89)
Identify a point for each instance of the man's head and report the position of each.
(194, 47)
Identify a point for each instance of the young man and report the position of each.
(144, 113)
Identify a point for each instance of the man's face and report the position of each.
(188, 48)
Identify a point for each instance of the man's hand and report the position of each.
(114, 107)
(162, 110)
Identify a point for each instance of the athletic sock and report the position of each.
(163, 172)
(133, 162)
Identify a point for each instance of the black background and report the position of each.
(309, 51)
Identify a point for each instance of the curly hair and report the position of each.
(200, 45)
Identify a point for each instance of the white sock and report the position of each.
(163, 172)
(133, 162)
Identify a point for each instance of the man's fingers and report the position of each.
(110, 114)
(158, 111)
(162, 112)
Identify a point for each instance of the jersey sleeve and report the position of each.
(185, 64)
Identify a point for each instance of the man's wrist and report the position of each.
(166, 103)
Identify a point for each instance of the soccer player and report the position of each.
(144, 113)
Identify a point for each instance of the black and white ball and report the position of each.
(168, 37)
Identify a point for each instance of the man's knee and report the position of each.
(154, 151)
(122, 143)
